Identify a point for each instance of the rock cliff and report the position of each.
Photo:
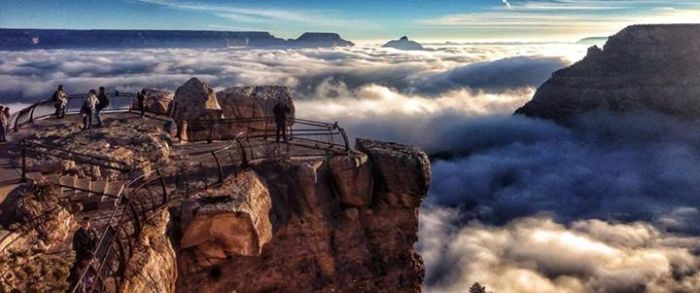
(317, 40)
(654, 67)
(403, 44)
(345, 224)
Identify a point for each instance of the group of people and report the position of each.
(94, 104)
(4, 122)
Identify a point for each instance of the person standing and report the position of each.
(141, 100)
(84, 239)
(60, 100)
(88, 109)
(280, 111)
(103, 102)
(4, 121)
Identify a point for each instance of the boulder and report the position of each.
(195, 100)
(230, 220)
(158, 101)
(353, 178)
(253, 101)
(401, 172)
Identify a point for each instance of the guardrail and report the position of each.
(118, 102)
(315, 133)
(30, 147)
(117, 243)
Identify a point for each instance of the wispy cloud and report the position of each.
(506, 3)
(567, 17)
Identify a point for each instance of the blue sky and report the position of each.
(359, 19)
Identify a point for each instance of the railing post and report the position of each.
(24, 163)
(211, 128)
(218, 164)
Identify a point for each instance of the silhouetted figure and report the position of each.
(81, 263)
(141, 102)
(84, 239)
(4, 121)
(89, 108)
(103, 102)
(280, 111)
(60, 100)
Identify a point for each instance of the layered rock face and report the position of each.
(158, 101)
(340, 224)
(403, 44)
(654, 67)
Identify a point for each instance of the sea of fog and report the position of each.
(517, 204)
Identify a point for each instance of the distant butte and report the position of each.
(403, 44)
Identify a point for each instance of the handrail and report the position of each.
(35, 147)
(317, 132)
(119, 102)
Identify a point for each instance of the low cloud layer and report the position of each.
(536, 254)
(29, 75)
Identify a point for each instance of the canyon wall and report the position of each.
(655, 67)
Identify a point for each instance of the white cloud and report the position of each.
(536, 254)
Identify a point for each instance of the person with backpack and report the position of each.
(60, 100)
(103, 102)
(89, 108)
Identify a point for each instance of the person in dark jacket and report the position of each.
(280, 111)
(141, 100)
(102, 103)
(88, 280)
(84, 239)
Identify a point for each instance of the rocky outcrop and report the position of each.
(230, 220)
(152, 267)
(655, 67)
(403, 44)
(332, 228)
(253, 101)
(195, 100)
(319, 40)
(158, 101)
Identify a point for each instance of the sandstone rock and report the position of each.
(191, 101)
(152, 267)
(403, 44)
(253, 101)
(231, 220)
(158, 101)
(353, 178)
(654, 67)
(402, 173)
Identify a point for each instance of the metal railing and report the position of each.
(316, 134)
(123, 230)
(118, 102)
(34, 148)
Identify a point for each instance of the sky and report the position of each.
(359, 20)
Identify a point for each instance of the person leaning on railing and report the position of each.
(60, 100)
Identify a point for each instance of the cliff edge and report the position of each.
(654, 67)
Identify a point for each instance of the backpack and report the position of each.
(104, 101)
